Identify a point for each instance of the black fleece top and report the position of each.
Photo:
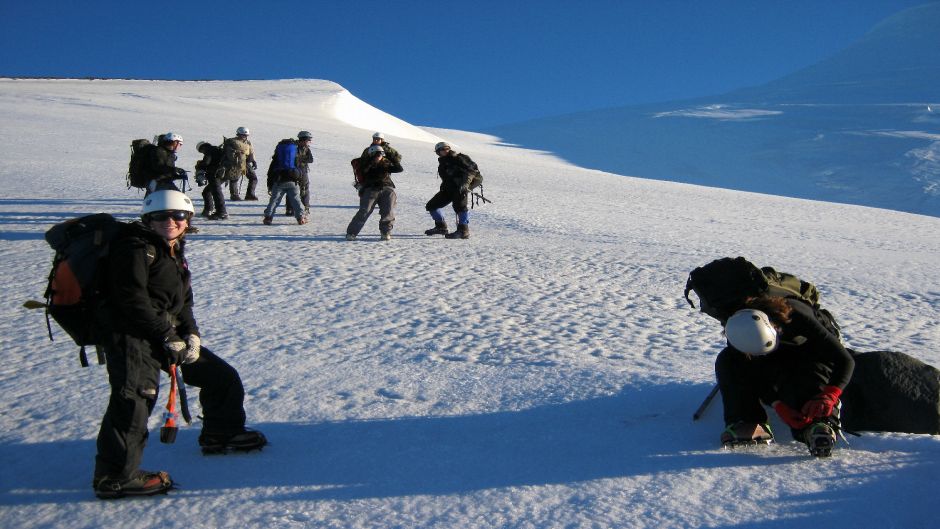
(805, 339)
(149, 294)
(455, 170)
(378, 173)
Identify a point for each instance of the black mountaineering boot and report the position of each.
(440, 228)
(243, 441)
(462, 232)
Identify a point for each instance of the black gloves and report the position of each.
(175, 349)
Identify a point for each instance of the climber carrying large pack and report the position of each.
(785, 351)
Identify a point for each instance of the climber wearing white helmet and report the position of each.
(779, 354)
(160, 164)
(240, 146)
(148, 326)
(379, 139)
(377, 189)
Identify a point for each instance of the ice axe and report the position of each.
(169, 429)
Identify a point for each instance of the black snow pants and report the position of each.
(134, 367)
(749, 382)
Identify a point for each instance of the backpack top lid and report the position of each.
(139, 143)
(723, 285)
(82, 240)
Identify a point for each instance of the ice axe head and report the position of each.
(168, 430)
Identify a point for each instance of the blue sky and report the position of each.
(463, 65)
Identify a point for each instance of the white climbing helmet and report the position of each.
(378, 136)
(242, 131)
(171, 137)
(750, 331)
(167, 200)
(375, 149)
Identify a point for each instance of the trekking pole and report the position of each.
(169, 429)
(708, 400)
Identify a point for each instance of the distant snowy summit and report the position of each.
(859, 127)
(898, 61)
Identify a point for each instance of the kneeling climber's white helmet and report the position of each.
(750, 331)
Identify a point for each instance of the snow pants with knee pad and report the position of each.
(134, 367)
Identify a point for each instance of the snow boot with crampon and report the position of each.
(820, 437)
(141, 483)
(744, 433)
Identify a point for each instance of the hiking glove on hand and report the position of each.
(193, 346)
(821, 405)
(793, 418)
(175, 349)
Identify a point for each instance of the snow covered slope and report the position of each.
(862, 127)
(541, 374)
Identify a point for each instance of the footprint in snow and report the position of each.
(389, 394)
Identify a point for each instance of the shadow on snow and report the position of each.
(643, 431)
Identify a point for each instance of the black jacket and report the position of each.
(805, 338)
(456, 171)
(211, 160)
(378, 173)
(805, 341)
(148, 292)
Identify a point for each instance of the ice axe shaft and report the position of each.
(169, 429)
(184, 400)
(708, 400)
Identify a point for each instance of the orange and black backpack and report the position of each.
(75, 292)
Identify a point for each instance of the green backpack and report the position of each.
(723, 285)
(235, 153)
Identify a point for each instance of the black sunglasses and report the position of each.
(162, 216)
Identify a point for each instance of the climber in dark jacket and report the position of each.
(780, 354)
(377, 189)
(148, 326)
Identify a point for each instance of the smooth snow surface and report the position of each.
(541, 374)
